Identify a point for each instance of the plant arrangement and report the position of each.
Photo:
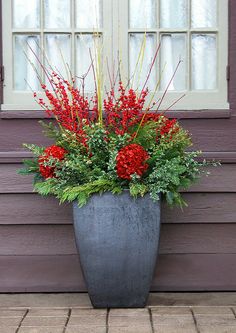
(118, 142)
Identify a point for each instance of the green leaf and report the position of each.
(170, 198)
(50, 130)
(35, 149)
(23, 172)
(31, 166)
(137, 189)
(45, 187)
(83, 192)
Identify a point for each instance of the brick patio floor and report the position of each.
(72, 313)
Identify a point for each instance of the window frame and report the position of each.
(194, 100)
(21, 99)
(203, 112)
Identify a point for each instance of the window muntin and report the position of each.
(193, 30)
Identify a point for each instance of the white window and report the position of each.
(193, 31)
(65, 29)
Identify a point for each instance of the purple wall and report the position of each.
(197, 252)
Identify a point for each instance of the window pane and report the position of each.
(57, 13)
(58, 51)
(142, 13)
(86, 44)
(89, 14)
(204, 13)
(173, 49)
(173, 13)
(26, 14)
(25, 77)
(204, 62)
(139, 70)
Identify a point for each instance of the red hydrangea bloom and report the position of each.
(130, 160)
(52, 151)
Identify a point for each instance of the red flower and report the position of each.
(130, 160)
(53, 151)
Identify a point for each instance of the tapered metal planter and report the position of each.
(117, 239)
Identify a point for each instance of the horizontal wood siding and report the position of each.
(41, 273)
(33, 209)
(22, 240)
(180, 272)
(195, 272)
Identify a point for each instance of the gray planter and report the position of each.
(117, 239)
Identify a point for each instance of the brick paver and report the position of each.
(10, 329)
(212, 310)
(86, 329)
(12, 313)
(8, 321)
(48, 312)
(44, 321)
(88, 312)
(180, 322)
(84, 319)
(129, 321)
(168, 310)
(217, 329)
(215, 319)
(89, 320)
(41, 330)
(130, 329)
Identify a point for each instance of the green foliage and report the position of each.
(36, 150)
(83, 192)
(170, 175)
(98, 145)
(137, 189)
(46, 187)
(31, 166)
(146, 135)
(62, 137)
(51, 131)
(91, 168)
